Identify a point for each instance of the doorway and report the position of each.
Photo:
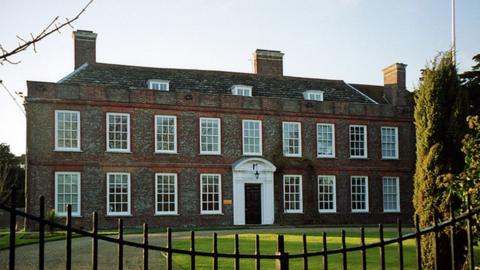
(253, 205)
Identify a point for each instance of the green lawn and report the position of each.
(26, 238)
(294, 245)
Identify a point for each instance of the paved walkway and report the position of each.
(27, 256)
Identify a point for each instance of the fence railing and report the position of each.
(281, 257)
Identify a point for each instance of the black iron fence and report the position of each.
(281, 257)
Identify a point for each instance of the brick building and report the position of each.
(179, 147)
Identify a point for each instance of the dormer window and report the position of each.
(242, 90)
(160, 85)
(313, 95)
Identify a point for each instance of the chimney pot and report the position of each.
(85, 47)
(268, 63)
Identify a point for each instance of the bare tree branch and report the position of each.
(51, 28)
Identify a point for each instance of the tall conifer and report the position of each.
(440, 125)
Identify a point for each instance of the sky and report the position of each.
(351, 40)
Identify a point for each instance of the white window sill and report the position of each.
(391, 211)
(390, 158)
(166, 152)
(212, 214)
(292, 155)
(119, 215)
(119, 151)
(253, 154)
(293, 212)
(327, 211)
(166, 214)
(210, 154)
(364, 158)
(327, 157)
(360, 211)
(67, 150)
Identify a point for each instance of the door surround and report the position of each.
(243, 173)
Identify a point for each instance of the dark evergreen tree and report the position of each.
(440, 126)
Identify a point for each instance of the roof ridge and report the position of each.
(212, 70)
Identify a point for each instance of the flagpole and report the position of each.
(454, 50)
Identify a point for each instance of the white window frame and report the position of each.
(366, 195)
(396, 142)
(260, 146)
(334, 193)
(333, 141)
(220, 199)
(129, 189)
(365, 142)
(397, 186)
(68, 149)
(79, 190)
(202, 152)
(164, 213)
(174, 151)
(242, 90)
(294, 211)
(108, 131)
(156, 81)
(311, 94)
(299, 154)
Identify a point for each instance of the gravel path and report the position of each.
(27, 256)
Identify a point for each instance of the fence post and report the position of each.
(382, 247)
(452, 235)
(145, 246)
(400, 244)
(120, 244)
(305, 251)
(69, 238)
(471, 256)
(41, 235)
(257, 252)
(237, 252)
(95, 241)
(436, 250)
(419, 243)
(169, 248)
(13, 225)
(344, 252)
(282, 260)
(215, 252)
(325, 257)
(192, 251)
(364, 250)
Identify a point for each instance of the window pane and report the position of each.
(118, 131)
(67, 192)
(118, 193)
(210, 195)
(67, 130)
(358, 141)
(210, 135)
(291, 138)
(292, 195)
(251, 137)
(359, 192)
(166, 133)
(326, 193)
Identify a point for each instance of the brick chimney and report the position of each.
(268, 63)
(85, 47)
(394, 80)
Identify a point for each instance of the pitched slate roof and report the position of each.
(373, 91)
(215, 82)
